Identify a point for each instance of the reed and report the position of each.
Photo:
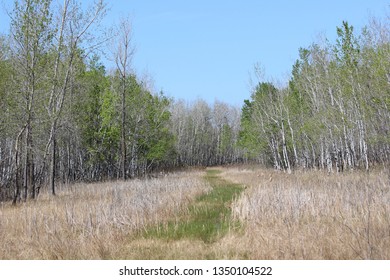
(313, 215)
(93, 221)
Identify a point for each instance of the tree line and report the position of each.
(334, 114)
(65, 118)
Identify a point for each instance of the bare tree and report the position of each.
(123, 54)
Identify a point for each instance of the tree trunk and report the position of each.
(17, 168)
(17, 183)
(53, 163)
(328, 160)
(123, 133)
(285, 153)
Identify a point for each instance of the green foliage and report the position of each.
(258, 121)
(347, 48)
(31, 22)
(5, 99)
(248, 136)
(95, 113)
(330, 107)
(160, 146)
(226, 139)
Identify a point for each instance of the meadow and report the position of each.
(220, 213)
(314, 215)
(93, 221)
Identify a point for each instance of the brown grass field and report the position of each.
(313, 215)
(93, 221)
(304, 215)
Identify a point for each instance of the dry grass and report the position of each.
(93, 221)
(299, 216)
(182, 249)
(312, 215)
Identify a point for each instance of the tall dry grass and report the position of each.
(93, 221)
(299, 216)
(312, 215)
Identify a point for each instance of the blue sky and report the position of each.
(207, 49)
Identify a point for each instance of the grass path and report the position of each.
(208, 219)
(193, 233)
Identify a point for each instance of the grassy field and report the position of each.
(198, 232)
(220, 213)
(93, 221)
(207, 219)
(313, 215)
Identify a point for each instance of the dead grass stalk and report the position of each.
(93, 221)
(313, 215)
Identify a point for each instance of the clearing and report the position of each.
(221, 213)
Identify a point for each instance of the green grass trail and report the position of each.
(208, 218)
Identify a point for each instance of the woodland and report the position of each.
(66, 118)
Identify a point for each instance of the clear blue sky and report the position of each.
(208, 48)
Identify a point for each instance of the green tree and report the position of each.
(249, 135)
(31, 38)
(157, 141)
